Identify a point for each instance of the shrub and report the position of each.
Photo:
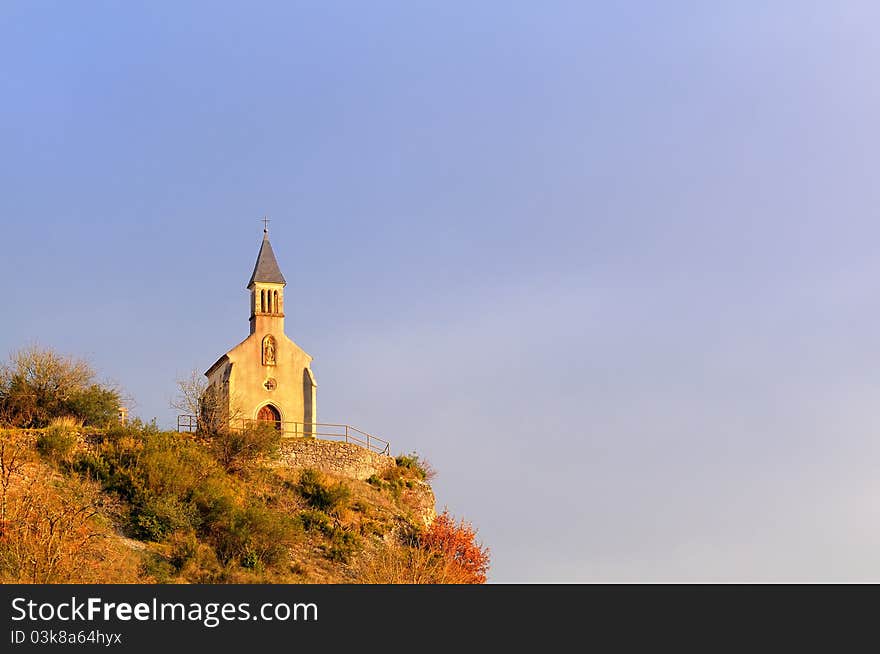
(147, 526)
(170, 464)
(404, 564)
(59, 438)
(38, 384)
(445, 554)
(158, 568)
(158, 516)
(214, 501)
(373, 528)
(95, 405)
(320, 495)
(15, 451)
(271, 534)
(184, 548)
(408, 472)
(170, 481)
(55, 533)
(413, 464)
(236, 448)
(391, 481)
(93, 466)
(456, 544)
(342, 545)
(253, 537)
(315, 520)
(134, 429)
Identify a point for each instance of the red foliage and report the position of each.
(457, 544)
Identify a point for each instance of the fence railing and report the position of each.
(187, 423)
(288, 429)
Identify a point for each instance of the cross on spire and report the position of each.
(266, 269)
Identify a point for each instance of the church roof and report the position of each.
(266, 269)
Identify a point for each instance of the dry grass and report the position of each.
(66, 424)
(72, 513)
(54, 533)
(402, 564)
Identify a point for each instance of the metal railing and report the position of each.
(288, 429)
(187, 423)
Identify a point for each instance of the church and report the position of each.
(266, 377)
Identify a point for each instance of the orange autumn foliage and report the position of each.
(457, 544)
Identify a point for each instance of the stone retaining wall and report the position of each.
(334, 457)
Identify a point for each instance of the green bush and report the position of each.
(171, 482)
(148, 527)
(373, 528)
(171, 464)
(184, 548)
(391, 481)
(254, 537)
(93, 466)
(237, 448)
(408, 472)
(214, 501)
(175, 492)
(342, 545)
(95, 405)
(37, 385)
(135, 428)
(315, 520)
(411, 463)
(58, 439)
(158, 567)
(321, 496)
(159, 516)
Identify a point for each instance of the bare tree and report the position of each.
(51, 534)
(213, 407)
(189, 393)
(13, 451)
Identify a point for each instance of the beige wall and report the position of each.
(246, 382)
(241, 374)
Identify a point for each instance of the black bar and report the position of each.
(456, 618)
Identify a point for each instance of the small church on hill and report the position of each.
(267, 376)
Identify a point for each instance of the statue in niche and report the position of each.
(269, 351)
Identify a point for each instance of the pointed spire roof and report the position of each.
(266, 269)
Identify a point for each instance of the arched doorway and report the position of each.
(269, 413)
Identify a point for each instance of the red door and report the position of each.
(270, 414)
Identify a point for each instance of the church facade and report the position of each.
(267, 376)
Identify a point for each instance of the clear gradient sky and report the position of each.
(612, 268)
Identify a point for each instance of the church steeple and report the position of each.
(267, 289)
(266, 376)
(266, 269)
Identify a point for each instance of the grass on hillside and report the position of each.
(136, 504)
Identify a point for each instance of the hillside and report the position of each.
(133, 504)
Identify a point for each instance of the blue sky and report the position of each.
(612, 269)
